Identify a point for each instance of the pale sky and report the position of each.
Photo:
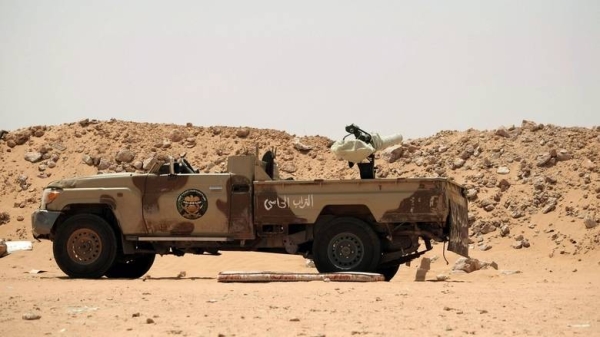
(305, 67)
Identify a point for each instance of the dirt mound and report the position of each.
(527, 185)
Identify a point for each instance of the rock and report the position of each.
(486, 202)
(442, 277)
(503, 185)
(538, 183)
(84, 122)
(42, 167)
(517, 245)
(503, 170)
(531, 126)
(300, 146)
(30, 316)
(242, 132)
(588, 164)
(458, 163)
(20, 218)
(549, 208)
(124, 156)
(51, 164)
(589, 222)
(525, 243)
(147, 163)
(59, 146)
(487, 228)
(484, 246)
(20, 138)
(465, 155)
(190, 142)
(392, 154)
(563, 155)
(103, 164)
(22, 179)
(87, 159)
(543, 159)
(502, 133)
(471, 194)
(504, 230)
(4, 218)
(517, 213)
(469, 265)
(149, 321)
(138, 165)
(176, 136)
(288, 167)
(33, 156)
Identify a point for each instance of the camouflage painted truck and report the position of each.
(113, 225)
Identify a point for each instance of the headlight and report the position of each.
(49, 196)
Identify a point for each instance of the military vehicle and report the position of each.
(114, 224)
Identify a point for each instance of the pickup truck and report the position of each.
(114, 224)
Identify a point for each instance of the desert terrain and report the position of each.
(534, 209)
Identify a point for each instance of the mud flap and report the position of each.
(459, 221)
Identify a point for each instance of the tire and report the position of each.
(346, 244)
(85, 246)
(131, 266)
(388, 272)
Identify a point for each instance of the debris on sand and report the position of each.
(30, 316)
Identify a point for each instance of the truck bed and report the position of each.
(402, 200)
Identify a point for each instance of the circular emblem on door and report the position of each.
(192, 204)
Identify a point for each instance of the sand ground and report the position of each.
(559, 297)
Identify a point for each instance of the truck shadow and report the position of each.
(173, 278)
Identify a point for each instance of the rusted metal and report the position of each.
(267, 276)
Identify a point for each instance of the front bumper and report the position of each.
(42, 222)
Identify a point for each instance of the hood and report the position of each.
(96, 181)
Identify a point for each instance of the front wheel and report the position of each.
(85, 246)
(346, 244)
(131, 266)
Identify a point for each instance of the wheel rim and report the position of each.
(84, 246)
(346, 251)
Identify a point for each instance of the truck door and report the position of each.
(187, 204)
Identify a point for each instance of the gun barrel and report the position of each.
(381, 143)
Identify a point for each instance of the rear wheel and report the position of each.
(131, 266)
(85, 246)
(346, 244)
